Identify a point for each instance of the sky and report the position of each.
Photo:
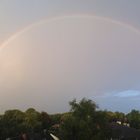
(54, 51)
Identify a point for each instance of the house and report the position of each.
(123, 132)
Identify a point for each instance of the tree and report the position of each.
(85, 108)
(83, 122)
(45, 120)
(12, 123)
(56, 118)
(32, 120)
(134, 119)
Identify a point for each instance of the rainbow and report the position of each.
(43, 21)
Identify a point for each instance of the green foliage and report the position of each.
(134, 119)
(15, 122)
(12, 123)
(32, 120)
(45, 120)
(56, 118)
(84, 122)
(85, 108)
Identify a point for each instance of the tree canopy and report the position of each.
(83, 121)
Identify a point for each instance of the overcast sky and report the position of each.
(55, 51)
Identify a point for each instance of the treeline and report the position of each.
(84, 121)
